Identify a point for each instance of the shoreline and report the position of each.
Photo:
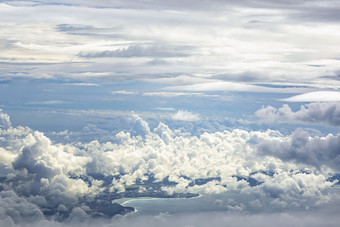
(125, 200)
(137, 202)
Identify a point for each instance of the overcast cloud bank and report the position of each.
(240, 45)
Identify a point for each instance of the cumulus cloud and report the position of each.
(304, 149)
(4, 120)
(327, 113)
(44, 160)
(183, 115)
(17, 209)
(234, 171)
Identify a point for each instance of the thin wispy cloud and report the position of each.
(48, 102)
(238, 87)
(251, 43)
(123, 92)
(82, 84)
(317, 96)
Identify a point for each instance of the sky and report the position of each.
(235, 101)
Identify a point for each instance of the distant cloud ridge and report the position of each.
(327, 113)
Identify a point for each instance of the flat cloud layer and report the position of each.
(65, 182)
(209, 41)
(318, 96)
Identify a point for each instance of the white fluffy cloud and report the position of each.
(183, 115)
(327, 113)
(4, 120)
(45, 160)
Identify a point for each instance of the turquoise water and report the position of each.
(228, 201)
(155, 206)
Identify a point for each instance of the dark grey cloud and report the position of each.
(17, 209)
(302, 148)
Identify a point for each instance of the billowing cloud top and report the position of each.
(327, 113)
(68, 182)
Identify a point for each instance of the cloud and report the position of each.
(163, 94)
(304, 149)
(183, 115)
(327, 113)
(77, 182)
(44, 160)
(4, 120)
(49, 102)
(174, 94)
(308, 6)
(165, 108)
(83, 84)
(317, 96)
(172, 33)
(73, 27)
(234, 86)
(17, 209)
(251, 172)
(219, 219)
(123, 92)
